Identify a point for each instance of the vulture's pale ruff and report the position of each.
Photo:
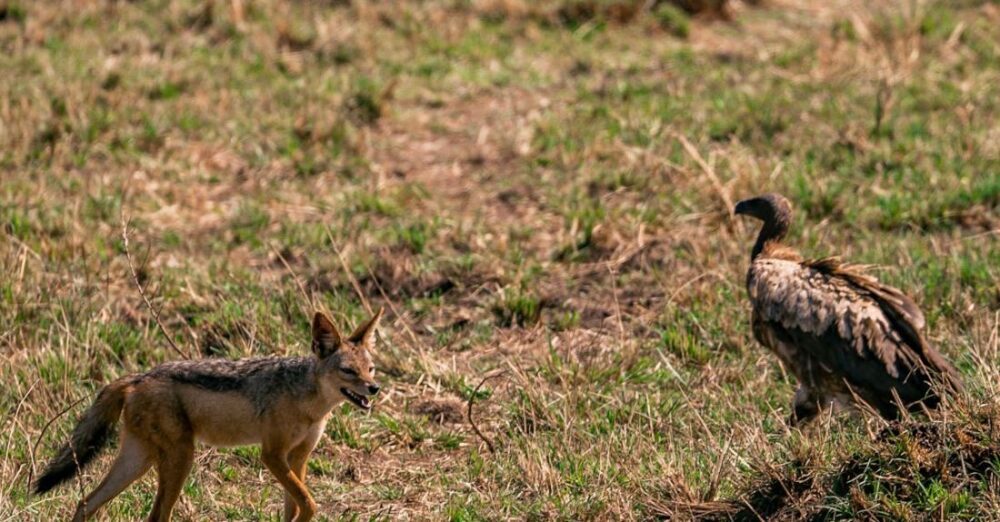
(843, 334)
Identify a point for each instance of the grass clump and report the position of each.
(909, 470)
(673, 20)
(518, 308)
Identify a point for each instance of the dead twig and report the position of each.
(710, 174)
(24, 246)
(142, 292)
(472, 399)
(349, 274)
(13, 419)
(295, 277)
(41, 436)
(713, 485)
(618, 307)
(79, 481)
(357, 289)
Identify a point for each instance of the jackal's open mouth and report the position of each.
(358, 400)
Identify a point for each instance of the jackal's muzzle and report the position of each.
(361, 401)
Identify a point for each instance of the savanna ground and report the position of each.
(538, 192)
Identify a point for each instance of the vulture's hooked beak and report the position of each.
(743, 207)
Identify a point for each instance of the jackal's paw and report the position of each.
(306, 512)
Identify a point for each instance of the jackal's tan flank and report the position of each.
(281, 403)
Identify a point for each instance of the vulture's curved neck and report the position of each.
(771, 233)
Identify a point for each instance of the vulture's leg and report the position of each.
(805, 406)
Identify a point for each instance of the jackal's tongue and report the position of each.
(359, 399)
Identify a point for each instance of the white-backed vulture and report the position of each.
(843, 334)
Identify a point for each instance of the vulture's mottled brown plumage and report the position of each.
(843, 334)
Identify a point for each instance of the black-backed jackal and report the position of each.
(281, 403)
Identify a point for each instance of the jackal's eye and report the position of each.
(371, 370)
(348, 371)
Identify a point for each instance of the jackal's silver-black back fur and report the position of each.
(260, 379)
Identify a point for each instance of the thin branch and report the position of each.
(13, 419)
(348, 273)
(472, 399)
(41, 436)
(618, 307)
(712, 178)
(24, 246)
(713, 485)
(142, 292)
(82, 506)
(381, 291)
(295, 277)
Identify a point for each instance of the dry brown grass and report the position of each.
(517, 193)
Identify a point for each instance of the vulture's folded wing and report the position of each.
(905, 317)
(867, 333)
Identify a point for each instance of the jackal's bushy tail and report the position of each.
(89, 438)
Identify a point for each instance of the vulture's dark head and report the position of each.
(767, 208)
(776, 213)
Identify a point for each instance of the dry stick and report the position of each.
(713, 488)
(142, 292)
(618, 307)
(13, 418)
(686, 284)
(79, 480)
(994, 232)
(350, 276)
(17, 410)
(710, 173)
(752, 510)
(34, 448)
(381, 291)
(236, 7)
(295, 276)
(24, 246)
(472, 399)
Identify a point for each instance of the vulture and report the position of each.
(846, 337)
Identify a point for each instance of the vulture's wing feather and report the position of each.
(907, 319)
(896, 301)
(867, 376)
(863, 331)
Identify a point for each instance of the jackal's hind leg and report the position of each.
(132, 462)
(173, 465)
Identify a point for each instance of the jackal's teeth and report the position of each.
(360, 400)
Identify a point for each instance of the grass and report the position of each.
(509, 181)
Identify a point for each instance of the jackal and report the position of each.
(281, 403)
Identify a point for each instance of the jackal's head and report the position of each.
(345, 365)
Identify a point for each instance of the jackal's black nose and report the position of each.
(373, 388)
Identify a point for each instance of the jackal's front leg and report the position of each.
(298, 460)
(277, 465)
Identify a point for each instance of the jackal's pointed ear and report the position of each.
(366, 330)
(326, 338)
